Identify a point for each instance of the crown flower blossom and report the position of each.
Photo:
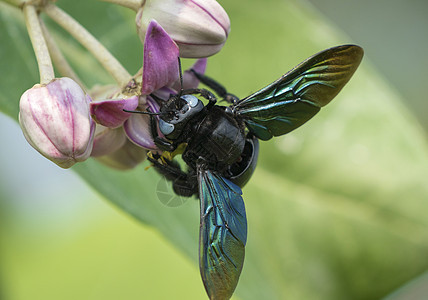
(56, 122)
(160, 77)
(199, 27)
(61, 121)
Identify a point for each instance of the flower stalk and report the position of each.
(107, 60)
(17, 3)
(58, 58)
(39, 44)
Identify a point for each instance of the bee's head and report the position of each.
(176, 113)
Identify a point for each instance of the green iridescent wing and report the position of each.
(298, 95)
(222, 235)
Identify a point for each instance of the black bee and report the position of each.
(220, 146)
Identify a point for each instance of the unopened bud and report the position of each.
(55, 120)
(199, 27)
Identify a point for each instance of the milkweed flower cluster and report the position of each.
(67, 123)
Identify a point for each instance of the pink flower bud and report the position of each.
(55, 120)
(199, 27)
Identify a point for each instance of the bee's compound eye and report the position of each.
(228, 110)
(165, 128)
(191, 100)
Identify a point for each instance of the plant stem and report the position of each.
(39, 44)
(107, 60)
(58, 58)
(16, 3)
(132, 4)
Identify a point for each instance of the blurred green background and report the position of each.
(336, 210)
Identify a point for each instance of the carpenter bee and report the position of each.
(220, 145)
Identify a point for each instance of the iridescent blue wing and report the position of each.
(298, 95)
(222, 235)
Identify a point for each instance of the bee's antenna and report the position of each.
(142, 112)
(181, 77)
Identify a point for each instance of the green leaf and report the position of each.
(336, 209)
(413, 290)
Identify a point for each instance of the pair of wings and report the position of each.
(272, 111)
(298, 95)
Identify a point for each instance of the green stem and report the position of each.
(107, 60)
(39, 44)
(58, 58)
(17, 3)
(132, 4)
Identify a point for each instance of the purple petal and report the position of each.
(152, 105)
(110, 113)
(137, 128)
(189, 79)
(126, 157)
(160, 65)
(107, 140)
(164, 93)
(200, 65)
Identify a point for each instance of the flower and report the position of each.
(110, 112)
(160, 59)
(125, 157)
(160, 77)
(199, 27)
(107, 140)
(56, 122)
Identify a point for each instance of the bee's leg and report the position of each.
(186, 187)
(184, 184)
(217, 87)
(168, 168)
